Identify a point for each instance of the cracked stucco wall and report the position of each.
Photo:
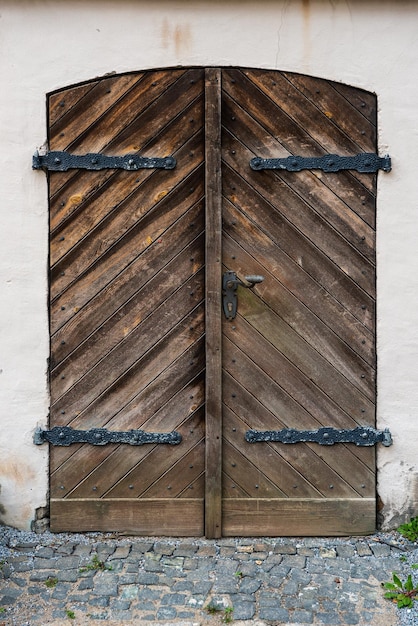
(46, 45)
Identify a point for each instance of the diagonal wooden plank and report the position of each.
(346, 216)
(157, 462)
(313, 470)
(248, 478)
(118, 327)
(123, 356)
(61, 102)
(98, 280)
(112, 217)
(265, 460)
(127, 283)
(94, 103)
(103, 470)
(353, 464)
(86, 189)
(296, 317)
(318, 131)
(297, 212)
(181, 477)
(160, 381)
(337, 109)
(262, 211)
(350, 361)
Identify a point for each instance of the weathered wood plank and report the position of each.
(347, 260)
(118, 327)
(182, 477)
(267, 388)
(142, 475)
(61, 102)
(314, 471)
(76, 314)
(301, 249)
(293, 518)
(85, 248)
(337, 109)
(180, 517)
(104, 468)
(213, 489)
(266, 463)
(160, 381)
(346, 216)
(296, 110)
(248, 477)
(304, 304)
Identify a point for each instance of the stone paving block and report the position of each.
(100, 601)
(128, 592)
(147, 578)
(274, 613)
(66, 549)
(172, 561)
(45, 553)
(345, 551)
(166, 612)
(294, 561)
(41, 575)
(363, 549)
(327, 553)
(121, 552)
(61, 591)
(42, 564)
(82, 550)
(305, 617)
(69, 575)
(185, 550)
(249, 585)
(350, 618)
(163, 548)
(173, 599)
(182, 585)
(207, 551)
(284, 549)
(328, 618)
(244, 610)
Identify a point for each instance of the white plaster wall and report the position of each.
(49, 44)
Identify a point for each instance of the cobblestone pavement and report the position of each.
(82, 579)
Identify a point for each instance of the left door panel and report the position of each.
(127, 304)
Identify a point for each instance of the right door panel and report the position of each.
(300, 353)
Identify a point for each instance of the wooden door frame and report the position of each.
(213, 312)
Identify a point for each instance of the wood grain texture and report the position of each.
(300, 352)
(127, 301)
(295, 518)
(213, 505)
(138, 336)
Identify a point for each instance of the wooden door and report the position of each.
(127, 304)
(300, 353)
(138, 337)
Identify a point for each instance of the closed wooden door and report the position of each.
(138, 336)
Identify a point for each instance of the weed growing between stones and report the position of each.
(410, 529)
(403, 593)
(70, 614)
(51, 582)
(227, 618)
(96, 565)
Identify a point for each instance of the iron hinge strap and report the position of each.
(63, 161)
(65, 436)
(361, 436)
(365, 163)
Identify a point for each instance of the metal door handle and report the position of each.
(230, 282)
